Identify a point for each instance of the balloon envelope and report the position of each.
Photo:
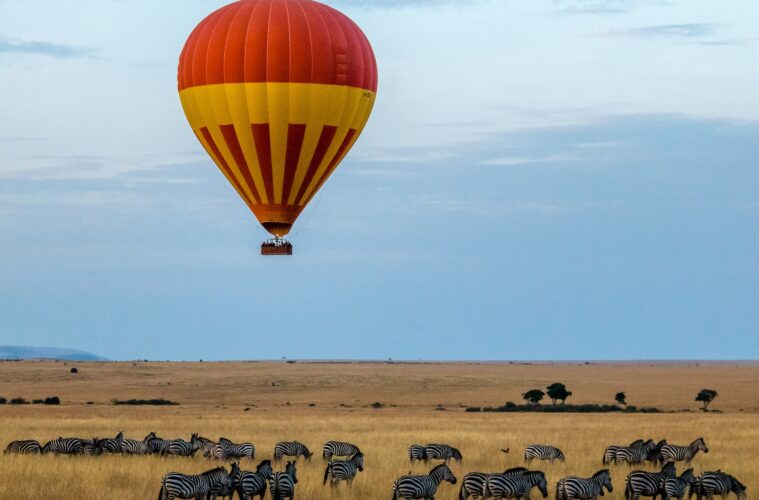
(277, 92)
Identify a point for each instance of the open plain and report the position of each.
(264, 402)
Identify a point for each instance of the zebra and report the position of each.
(64, 446)
(408, 487)
(201, 486)
(206, 445)
(573, 487)
(182, 448)
(543, 452)
(442, 452)
(654, 455)
(157, 445)
(610, 453)
(134, 447)
(249, 484)
(282, 484)
(472, 483)
(709, 484)
(514, 485)
(677, 453)
(642, 483)
(339, 449)
(226, 488)
(90, 447)
(291, 449)
(238, 450)
(675, 487)
(635, 454)
(24, 447)
(343, 470)
(108, 445)
(417, 452)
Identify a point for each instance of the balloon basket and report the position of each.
(276, 246)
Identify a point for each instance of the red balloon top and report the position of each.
(298, 41)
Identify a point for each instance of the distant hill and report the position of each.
(24, 352)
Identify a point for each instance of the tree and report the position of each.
(706, 396)
(533, 396)
(620, 398)
(558, 391)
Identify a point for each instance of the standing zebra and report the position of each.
(108, 445)
(250, 484)
(647, 484)
(291, 449)
(339, 449)
(64, 446)
(90, 447)
(226, 450)
(282, 484)
(474, 482)
(635, 454)
(411, 487)
(677, 453)
(205, 445)
(514, 485)
(675, 487)
(442, 452)
(343, 470)
(182, 448)
(573, 487)
(24, 447)
(417, 452)
(709, 484)
(201, 486)
(134, 447)
(157, 445)
(610, 453)
(654, 456)
(543, 452)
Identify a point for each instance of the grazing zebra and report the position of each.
(610, 453)
(249, 484)
(675, 487)
(677, 453)
(442, 452)
(647, 484)
(201, 486)
(64, 446)
(226, 488)
(157, 445)
(635, 454)
(654, 455)
(181, 448)
(24, 447)
(134, 447)
(291, 449)
(339, 449)
(514, 485)
(408, 487)
(573, 487)
(226, 450)
(417, 452)
(205, 445)
(474, 482)
(282, 484)
(90, 447)
(543, 452)
(343, 470)
(108, 445)
(709, 484)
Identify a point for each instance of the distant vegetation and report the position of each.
(154, 402)
(706, 396)
(563, 408)
(53, 400)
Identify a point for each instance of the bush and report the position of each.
(19, 401)
(37, 401)
(154, 402)
(511, 407)
(3, 401)
(377, 405)
(53, 400)
(74, 370)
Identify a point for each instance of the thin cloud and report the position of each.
(401, 4)
(602, 7)
(515, 161)
(672, 31)
(41, 48)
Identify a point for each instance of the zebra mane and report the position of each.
(214, 471)
(601, 473)
(438, 468)
(516, 470)
(262, 464)
(668, 466)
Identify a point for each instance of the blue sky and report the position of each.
(539, 180)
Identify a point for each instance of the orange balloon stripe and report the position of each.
(295, 136)
(230, 136)
(325, 141)
(222, 163)
(342, 151)
(262, 139)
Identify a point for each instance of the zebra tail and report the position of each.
(326, 472)
(160, 492)
(462, 492)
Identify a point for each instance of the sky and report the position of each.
(548, 179)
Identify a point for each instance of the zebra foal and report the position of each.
(339, 449)
(543, 452)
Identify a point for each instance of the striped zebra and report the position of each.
(442, 452)
(675, 487)
(647, 484)
(201, 486)
(635, 454)
(573, 487)
(417, 452)
(108, 445)
(182, 448)
(227, 450)
(206, 445)
(134, 447)
(501, 486)
(157, 445)
(282, 484)
(543, 452)
(343, 470)
(674, 453)
(408, 487)
(249, 484)
(291, 449)
(654, 456)
(24, 447)
(90, 447)
(64, 446)
(473, 483)
(610, 453)
(339, 449)
(709, 484)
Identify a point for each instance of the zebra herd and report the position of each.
(656, 452)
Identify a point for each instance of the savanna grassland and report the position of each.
(314, 402)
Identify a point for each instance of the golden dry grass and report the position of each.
(213, 398)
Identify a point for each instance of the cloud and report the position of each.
(50, 49)
(508, 161)
(673, 31)
(400, 4)
(602, 7)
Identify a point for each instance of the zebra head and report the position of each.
(264, 468)
(443, 473)
(358, 459)
(195, 442)
(306, 454)
(538, 478)
(603, 477)
(235, 473)
(456, 455)
(150, 436)
(669, 469)
(699, 444)
(290, 471)
(737, 487)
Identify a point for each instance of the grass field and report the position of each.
(214, 397)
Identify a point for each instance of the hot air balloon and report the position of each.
(277, 92)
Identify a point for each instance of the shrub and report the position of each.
(74, 370)
(37, 401)
(19, 401)
(154, 402)
(53, 400)
(377, 405)
(3, 401)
